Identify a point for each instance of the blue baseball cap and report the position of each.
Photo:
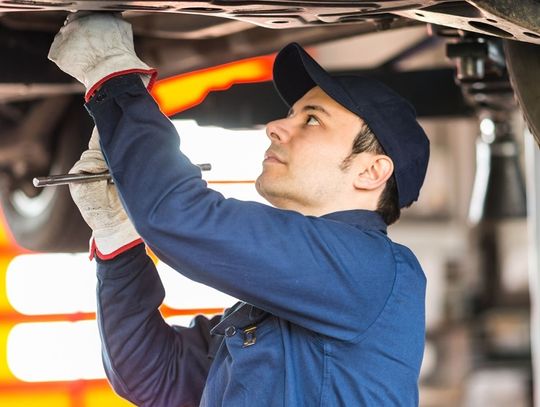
(391, 118)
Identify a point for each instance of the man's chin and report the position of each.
(259, 186)
(264, 189)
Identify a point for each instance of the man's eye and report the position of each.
(312, 121)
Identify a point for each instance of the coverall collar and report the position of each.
(362, 218)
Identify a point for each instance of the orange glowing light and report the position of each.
(8, 244)
(181, 92)
(6, 239)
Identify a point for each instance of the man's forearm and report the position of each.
(129, 294)
(147, 361)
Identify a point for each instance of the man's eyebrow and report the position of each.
(310, 107)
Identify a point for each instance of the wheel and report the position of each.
(523, 62)
(47, 220)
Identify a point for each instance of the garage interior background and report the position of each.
(479, 268)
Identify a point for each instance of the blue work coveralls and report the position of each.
(331, 311)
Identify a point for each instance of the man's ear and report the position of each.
(375, 172)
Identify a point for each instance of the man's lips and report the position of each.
(271, 156)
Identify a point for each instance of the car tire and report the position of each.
(523, 62)
(50, 221)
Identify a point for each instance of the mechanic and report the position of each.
(331, 310)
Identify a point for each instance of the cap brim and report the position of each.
(291, 79)
(296, 73)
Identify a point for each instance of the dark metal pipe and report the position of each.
(65, 179)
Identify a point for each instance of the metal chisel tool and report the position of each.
(65, 179)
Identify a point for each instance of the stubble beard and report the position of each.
(277, 192)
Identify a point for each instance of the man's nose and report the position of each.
(277, 131)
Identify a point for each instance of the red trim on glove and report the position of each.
(152, 72)
(94, 251)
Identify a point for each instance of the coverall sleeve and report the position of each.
(324, 275)
(147, 361)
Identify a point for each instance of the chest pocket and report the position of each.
(249, 365)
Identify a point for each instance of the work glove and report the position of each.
(96, 46)
(100, 206)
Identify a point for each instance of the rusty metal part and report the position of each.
(522, 13)
(502, 18)
(510, 19)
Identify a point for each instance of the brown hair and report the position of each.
(388, 205)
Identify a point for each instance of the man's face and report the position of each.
(302, 168)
